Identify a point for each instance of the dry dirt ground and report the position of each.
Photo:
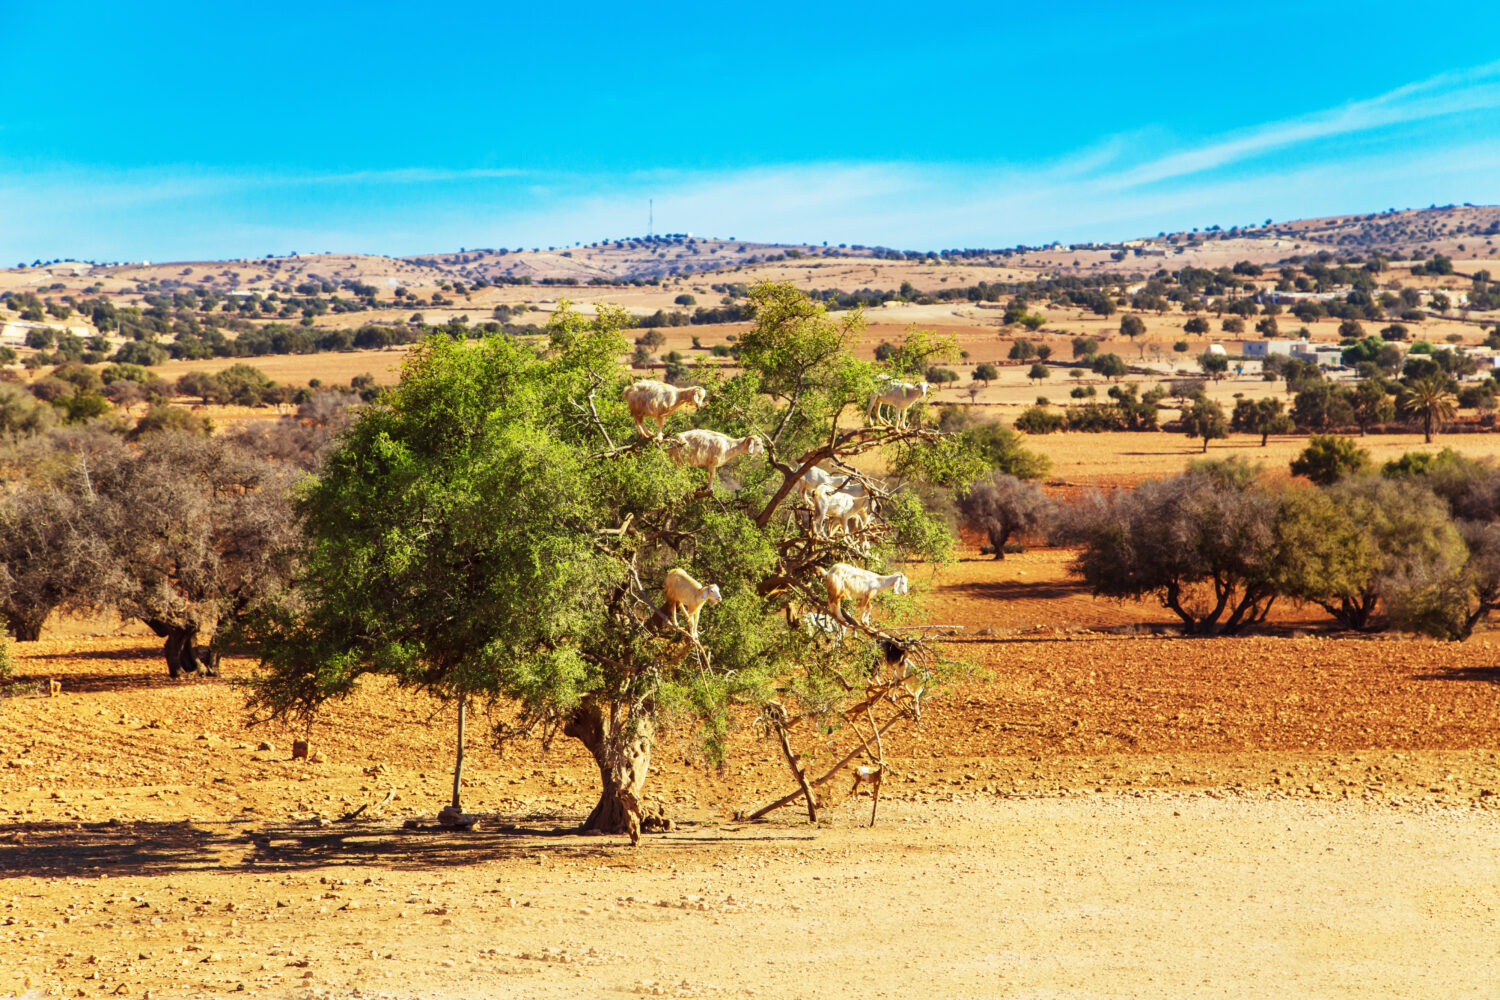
(1096, 812)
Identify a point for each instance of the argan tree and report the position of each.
(1328, 458)
(1203, 418)
(493, 529)
(1364, 541)
(1265, 416)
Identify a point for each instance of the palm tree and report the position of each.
(1428, 399)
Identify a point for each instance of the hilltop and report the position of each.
(1454, 231)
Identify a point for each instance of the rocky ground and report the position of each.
(1095, 812)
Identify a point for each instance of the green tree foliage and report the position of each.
(1110, 366)
(1260, 416)
(166, 417)
(1214, 365)
(21, 413)
(986, 373)
(1039, 420)
(1322, 406)
(1204, 418)
(1327, 459)
(480, 533)
(1085, 347)
(1021, 350)
(1197, 325)
(1132, 326)
(1371, 404)
(1365, 540)
(969, 449)
(1038, 371)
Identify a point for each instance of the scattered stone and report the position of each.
(299, 749)
(265, 745)
(455, 819)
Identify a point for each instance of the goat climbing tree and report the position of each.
(495, 530)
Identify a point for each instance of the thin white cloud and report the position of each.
(1121, 185)
(1477, 89)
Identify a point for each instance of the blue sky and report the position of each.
(195, 131)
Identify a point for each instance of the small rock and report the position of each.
(265, 745)
(299, 749)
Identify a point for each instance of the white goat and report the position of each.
(899, 396)
(813, 478)
(704, 449)
(852, 512)
(688, 594)
(658, 400)
(858, 585)
(818, 476)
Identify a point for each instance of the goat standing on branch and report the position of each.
(860, 586)
(851, 512)
(530, 549)
(682, 591)
(899, 396)
(702, 449)
(658, 400)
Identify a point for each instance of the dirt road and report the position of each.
(1104, 895)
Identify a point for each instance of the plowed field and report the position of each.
(1097, 811)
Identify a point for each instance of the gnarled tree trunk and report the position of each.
(181, 655)
(622, 749)
(26, 627)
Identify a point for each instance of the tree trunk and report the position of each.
(458, 761)
(998, 542)
(622, 749)
(26, 627)
(179, 652)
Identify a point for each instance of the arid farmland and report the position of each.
(1094, 803)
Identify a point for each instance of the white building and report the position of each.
(1265, 348)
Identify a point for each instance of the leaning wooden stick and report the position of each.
(817, 782)
(776, 719)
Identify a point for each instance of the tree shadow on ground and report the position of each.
(93, 683)
(1018, 590)
(147, 652)
(56, 850)
(1486, 675)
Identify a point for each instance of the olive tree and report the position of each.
(1001, 505)
(1205, 543)
(54, 526)
(493, 529)
(201, 539)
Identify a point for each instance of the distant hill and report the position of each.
(1467, 231)
(635, 258)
